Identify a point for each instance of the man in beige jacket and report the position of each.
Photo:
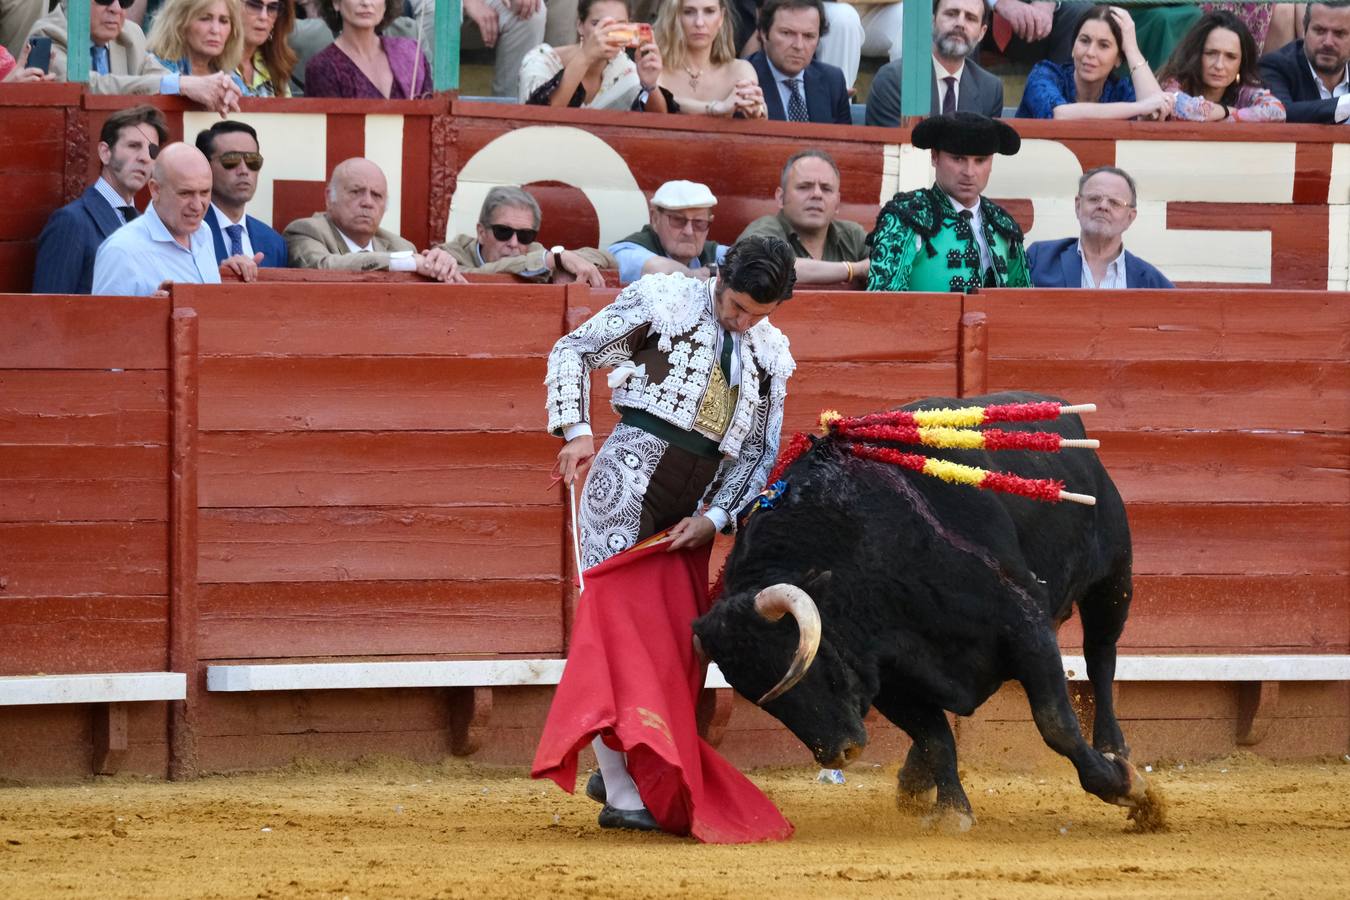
(505, 243)
(120, 64)
(348, 235)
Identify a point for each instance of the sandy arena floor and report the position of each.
(1239, 827)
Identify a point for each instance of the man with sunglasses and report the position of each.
(232, 149)
(128, 144)
(675, 240)
(120, 64)
(505, 243)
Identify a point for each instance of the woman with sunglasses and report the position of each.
(198, 37)
(1213, 77)
(701, 68)
(597, 72)
(268, 60)
(365, 63)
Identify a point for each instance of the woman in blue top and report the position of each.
(1086, 88)
(199, 37)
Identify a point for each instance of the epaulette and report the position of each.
(1000, 220)
(918, 210)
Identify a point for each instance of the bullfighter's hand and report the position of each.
(574, 458)
(246, 267)
(693, 531)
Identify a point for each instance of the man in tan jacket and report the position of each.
(505, 244)
(349, 236)
(120, 64)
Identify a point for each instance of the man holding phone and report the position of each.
(120, 64)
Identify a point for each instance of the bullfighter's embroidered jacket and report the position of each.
(660, 333)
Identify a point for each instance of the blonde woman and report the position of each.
(199, 37)
(700, 67)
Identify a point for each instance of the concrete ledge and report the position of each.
(117, 687)
(1292, 667)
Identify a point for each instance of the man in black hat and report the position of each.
(948, 237)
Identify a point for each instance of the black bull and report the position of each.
(930, 596)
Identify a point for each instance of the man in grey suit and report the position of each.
(958, 26)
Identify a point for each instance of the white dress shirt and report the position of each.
(1341, 90)
(1114, 279)
(399, 260)
(115, 200)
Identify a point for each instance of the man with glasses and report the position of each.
(128, 144)
(505, 243)
(120, 64)
(348, 234)
(676, 238)
(232, 149)
(1097, 258)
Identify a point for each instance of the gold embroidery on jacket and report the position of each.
(718, 406)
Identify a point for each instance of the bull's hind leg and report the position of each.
(1103, 610)
(931, 762)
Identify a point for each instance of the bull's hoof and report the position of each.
(1148, 809)
(915, 804)
(1136, 788)
(948, 820)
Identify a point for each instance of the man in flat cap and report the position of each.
(676, 240)
(948, 237)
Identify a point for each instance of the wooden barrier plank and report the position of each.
(380, 544)
(93, 407)
(1233, 614)
(361, 468)
(857, 327)
(270, 714)
(71, 559)
(1162, 325)
(1240, 538)
(376, 319)
(66, 635)
(1232, 466)
(372, 394)
(1218, 395)
(17, 261)
(41, 332)
(855, 389)
(83, 483)
(345, 618)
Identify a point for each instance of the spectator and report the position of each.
(128, 144)
(596, 72)
(948, 237)
(169, 243)
(1212, 75)
(119, 63)
(1087, 87)
(232, 149)
(1311, 77)
(507, 227)
(16, 21)
(1029, 31)
(1097, 258)
(363, 62)
(859, 28)
(14, 71)
(267, 62)
(348, 235)
(828, 250)
(511, 27)
(675, 240)
(198, 37)
(958, 82)
(699, 64)
(797, 88)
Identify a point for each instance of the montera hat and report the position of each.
(683, 195)
(966, 134)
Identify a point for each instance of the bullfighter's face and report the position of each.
(738, 311)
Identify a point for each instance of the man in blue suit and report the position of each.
(128, 144)
(798, 88)
(1312, 76)
(232, 149)
(1097, 258)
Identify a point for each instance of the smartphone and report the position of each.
(39, 53)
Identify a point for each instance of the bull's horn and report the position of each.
(772, 603)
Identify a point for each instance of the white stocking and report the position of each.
(620, 791)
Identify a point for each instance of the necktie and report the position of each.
(1003, 32)
(128, 213)
(725, 361)
(98, 56)
(236, 241)
(796, 105)
(949, 98)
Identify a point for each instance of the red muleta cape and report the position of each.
(632, 676)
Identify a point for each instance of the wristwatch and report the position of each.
(557, 250)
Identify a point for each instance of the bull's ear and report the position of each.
(816, 581)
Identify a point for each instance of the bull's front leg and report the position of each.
(1103, 610)
(931, 762)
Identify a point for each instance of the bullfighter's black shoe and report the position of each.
(634, 819)
(595, 787)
